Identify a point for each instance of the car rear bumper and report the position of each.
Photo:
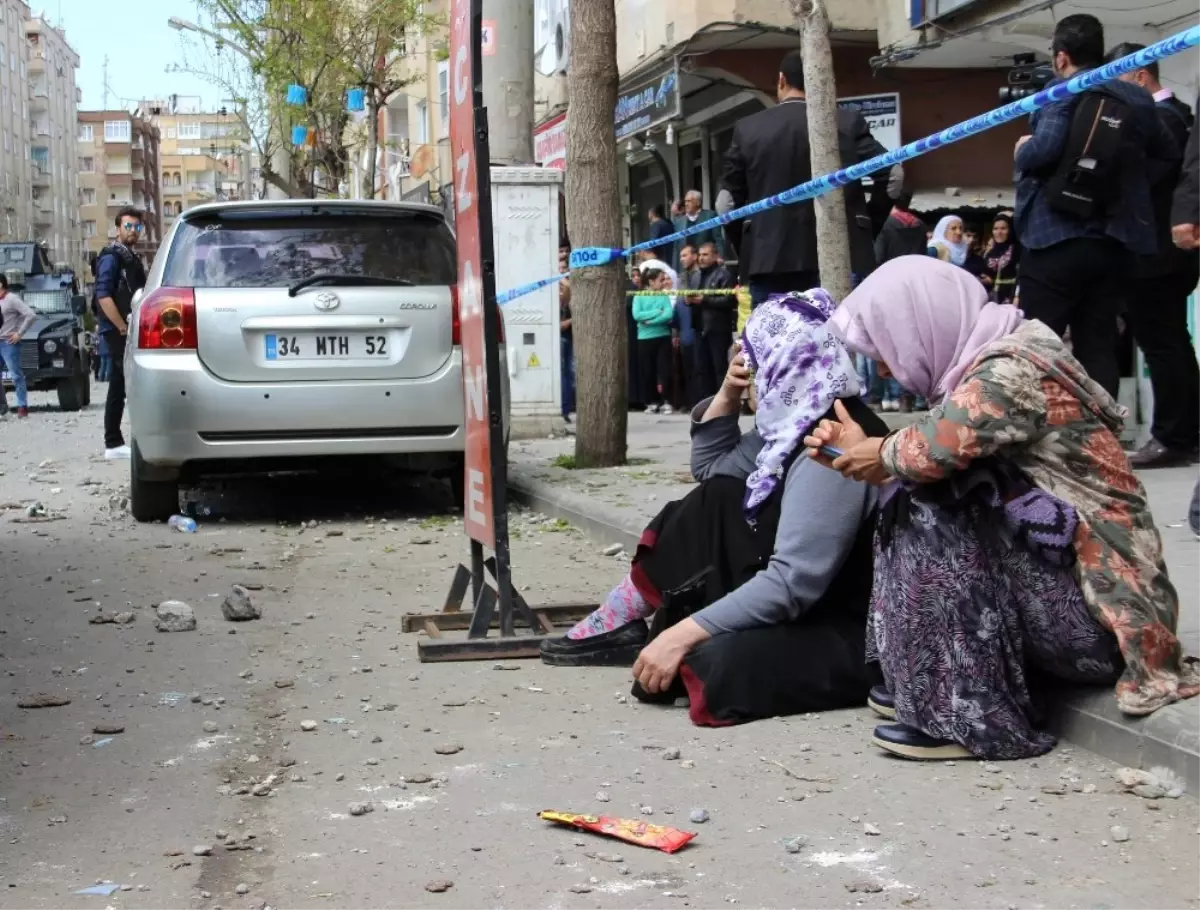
(180, 413)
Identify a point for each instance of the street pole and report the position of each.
(508, 79)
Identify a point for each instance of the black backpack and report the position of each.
(1084, 185)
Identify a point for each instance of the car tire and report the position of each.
(74, 392)
(457, 478)
(150, 500)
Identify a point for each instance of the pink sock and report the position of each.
(623, 605)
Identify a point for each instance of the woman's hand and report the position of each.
(659, 661)
(737, 378)
(842, 433)
(861, 455)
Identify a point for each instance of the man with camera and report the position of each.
(1083, 200)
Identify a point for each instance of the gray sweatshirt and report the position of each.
(819, 521)
(17, 316)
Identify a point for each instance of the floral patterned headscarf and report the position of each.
(799, 369)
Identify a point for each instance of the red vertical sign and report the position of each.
(477, 509)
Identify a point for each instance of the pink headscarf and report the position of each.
(926, 319)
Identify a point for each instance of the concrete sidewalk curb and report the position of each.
(1087, 717)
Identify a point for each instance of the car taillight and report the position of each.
(456, 318)
(167, 320)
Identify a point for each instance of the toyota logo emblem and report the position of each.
(327, 301)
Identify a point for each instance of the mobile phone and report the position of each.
(831, 451)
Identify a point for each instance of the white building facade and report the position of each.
(53, 103)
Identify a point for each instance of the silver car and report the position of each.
(270, 333)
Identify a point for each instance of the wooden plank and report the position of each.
(495, 648)
(563, 614)
(546, 624)
(432, 630)
(458, 589)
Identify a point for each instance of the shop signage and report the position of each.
(882, 113)
(550, 143)
(647, 104)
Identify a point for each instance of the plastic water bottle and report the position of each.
(182, 523)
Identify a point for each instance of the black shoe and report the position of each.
(618, 648)
(880, 701)
(910, 743)
(1156, 455)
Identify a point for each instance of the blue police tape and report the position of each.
(1182, 41)
(593, 255)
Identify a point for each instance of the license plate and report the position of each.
(58, 363)
(352, 346)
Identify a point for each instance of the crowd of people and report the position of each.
(948, 573)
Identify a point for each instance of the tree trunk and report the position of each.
(594, 219)
(372, 141)
(833, 237)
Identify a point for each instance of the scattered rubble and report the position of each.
(174, 616)
(238, 606)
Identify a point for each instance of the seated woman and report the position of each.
(1018, 539)
(757, 580)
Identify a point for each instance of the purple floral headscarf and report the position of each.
(799, 369)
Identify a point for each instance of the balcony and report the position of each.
(40, 176)
(201, 189)
(37, 60)
(43, 212)
(119, 203)
(39, 98)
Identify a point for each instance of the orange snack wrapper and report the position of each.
(630, 830)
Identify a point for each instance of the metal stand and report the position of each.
(477, 645)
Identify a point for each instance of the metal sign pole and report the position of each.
(485, 506)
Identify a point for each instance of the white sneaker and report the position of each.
(120, 453)
(889, 405)
(667, 410)
(651, 409)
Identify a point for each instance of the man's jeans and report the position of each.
(10, 354)
(114, 405)
(568, 376)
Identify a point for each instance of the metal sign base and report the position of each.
(477, 645)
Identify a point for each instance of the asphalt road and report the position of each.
(78, 807)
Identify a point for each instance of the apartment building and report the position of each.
(203, 155)
(118, 166)
(16, 199)
(53, 100)
(414, 126)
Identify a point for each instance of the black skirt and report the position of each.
(699, 549)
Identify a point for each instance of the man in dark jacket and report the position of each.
(770, 153)
(1071, 268)
(659, 228)
(1157, 299)
(716, 322)
(119, 275)
(903, 234)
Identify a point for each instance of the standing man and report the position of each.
(119, 275)
(686, 315)
(1185, 232)
(693, 213)
(566, 336)
(1157, 301)
(769, 154)
(1073, 263)
(718, 319)
(659, 228)
(16, 318)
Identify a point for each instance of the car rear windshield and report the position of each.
(255, 249)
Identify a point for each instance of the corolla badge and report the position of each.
(327, 301)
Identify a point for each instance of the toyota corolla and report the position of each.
(271, 334)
